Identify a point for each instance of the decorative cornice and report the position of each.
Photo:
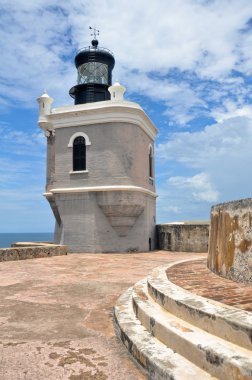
(100, 113)
(98, 189)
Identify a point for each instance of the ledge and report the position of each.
(99, 188)
(78, 171)
(100, 113)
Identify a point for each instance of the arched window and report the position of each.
(150, 162)
(79, 154)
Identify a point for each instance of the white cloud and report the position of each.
(18, 142)
(200, 186)
(230, 110)
(219, 157)
(207, 38)
(227, 142)
(178, 97)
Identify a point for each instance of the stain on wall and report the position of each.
(230, 243)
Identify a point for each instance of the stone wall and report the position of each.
(112, 221)
(183, 237)
(118, 155)
(23, 251)
(230, 244)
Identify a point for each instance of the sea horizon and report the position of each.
(7, 238)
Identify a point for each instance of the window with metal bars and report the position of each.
(79, 154)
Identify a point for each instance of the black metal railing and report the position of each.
(93, 49)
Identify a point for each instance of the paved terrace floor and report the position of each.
(198, 279)
(56, 315)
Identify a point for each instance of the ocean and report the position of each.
(7, 238)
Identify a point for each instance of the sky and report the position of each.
(188, 63)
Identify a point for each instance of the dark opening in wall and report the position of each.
(149, 244)
(79, 154)
(168, 237)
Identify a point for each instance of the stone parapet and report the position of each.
(31, 251)
(230, 244)
(183, 236)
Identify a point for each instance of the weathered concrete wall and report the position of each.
(230, 244)
(31, 251)
(118, 155)
(106, 221)
(183, 237)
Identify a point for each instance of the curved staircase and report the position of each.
(177, 335)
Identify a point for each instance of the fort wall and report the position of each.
(230, 244)
(183, 237)
(23, 251)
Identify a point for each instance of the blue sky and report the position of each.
(187, 62)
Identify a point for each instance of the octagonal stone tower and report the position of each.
(100, 163)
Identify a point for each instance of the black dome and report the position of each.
(94, 65)
(97, 54)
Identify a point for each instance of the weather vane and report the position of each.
(95, 32)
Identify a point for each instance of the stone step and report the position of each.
(218, 357)
(160, 362)
(226, 322)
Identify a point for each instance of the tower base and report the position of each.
(111, 221)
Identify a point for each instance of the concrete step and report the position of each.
(229, 323)
(160, 362)
(218, 357)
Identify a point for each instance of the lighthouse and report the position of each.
(100, 179)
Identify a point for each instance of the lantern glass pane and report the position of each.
(93, 72)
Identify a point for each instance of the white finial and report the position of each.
(116, 91)
(44, 102)
(44, 95)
